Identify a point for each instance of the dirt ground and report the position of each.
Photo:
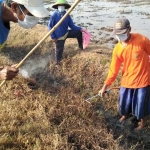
(60, 94)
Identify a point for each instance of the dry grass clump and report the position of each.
(55, 116)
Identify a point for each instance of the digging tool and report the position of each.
(96, 95)
(46, 36)
(107, 91)
(92, 97)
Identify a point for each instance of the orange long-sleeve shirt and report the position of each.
(135, 60)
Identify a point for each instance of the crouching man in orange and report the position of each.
(132, 52)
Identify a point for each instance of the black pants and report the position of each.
(60, 43)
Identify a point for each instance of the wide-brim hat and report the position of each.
(61, 2)
(35, 7)
(121, 26)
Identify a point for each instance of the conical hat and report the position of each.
(60, 2)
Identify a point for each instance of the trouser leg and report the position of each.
(78, 35)
(147, 101)
(59, 50)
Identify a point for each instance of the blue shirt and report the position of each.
(63, 28)
(3, 30)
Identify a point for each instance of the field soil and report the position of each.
(53, 114)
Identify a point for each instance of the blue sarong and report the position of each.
(135, 101)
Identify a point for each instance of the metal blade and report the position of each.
(107, 91)
(92, 97)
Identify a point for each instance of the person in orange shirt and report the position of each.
(131, 53)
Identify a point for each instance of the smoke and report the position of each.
(24, 73)
(34, 66)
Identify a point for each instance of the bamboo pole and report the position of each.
(46, 36)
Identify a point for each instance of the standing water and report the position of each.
(98, 16)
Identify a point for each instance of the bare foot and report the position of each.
(141, 124)
(122, 119)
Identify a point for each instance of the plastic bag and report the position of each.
(86, 38)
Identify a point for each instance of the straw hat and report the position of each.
(61, 2)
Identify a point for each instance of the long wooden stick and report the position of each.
(46, 36)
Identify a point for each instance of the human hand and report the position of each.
(55, 40)
(83, 30)
(8, 73)
(102, 91)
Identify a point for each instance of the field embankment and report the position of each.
(54, 115)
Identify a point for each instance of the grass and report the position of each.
(55, 116)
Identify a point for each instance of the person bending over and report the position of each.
(24, 12)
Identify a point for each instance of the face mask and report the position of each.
(122, 37)
(61, 8)
(29, 21)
